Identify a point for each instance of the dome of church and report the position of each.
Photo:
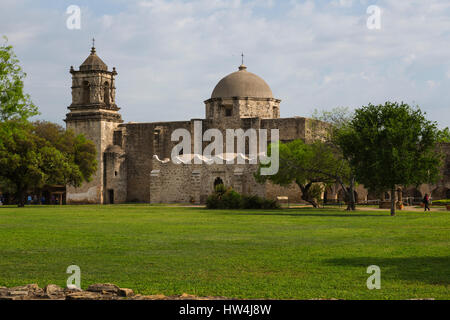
(242, 84)
(93, 62)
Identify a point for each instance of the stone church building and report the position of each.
(133, 158)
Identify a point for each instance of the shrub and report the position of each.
(251, 202)
(213, 201)
(270, 204)
(231, 200)
(227, 198)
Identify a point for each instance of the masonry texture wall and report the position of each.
(189, 183)
(101, 133)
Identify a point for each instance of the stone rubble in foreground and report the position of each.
(100, 291)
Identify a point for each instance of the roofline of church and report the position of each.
(243, 98)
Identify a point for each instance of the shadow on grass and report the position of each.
(431, 270)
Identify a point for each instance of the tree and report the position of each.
(337, 119)
(389, 145)
(444, 135)
(308, 165)
(35, 155)
(79, 152)
(14, 103)
(21, 158)
(31, 157)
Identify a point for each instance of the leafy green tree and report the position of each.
(22, 156)
(310, 166)
(337, 119)
(35, 155)
(389, 145)
(29, 159)
(14, 103)
(79, 152)
(444, 135)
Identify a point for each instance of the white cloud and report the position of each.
(342, 3)
(170, 54)
(432, 84)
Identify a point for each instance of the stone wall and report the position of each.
(293, 192)
(115, 177)
(190, 183)
(101, 134)
(239, 108)
(145, 177)
(140, 145)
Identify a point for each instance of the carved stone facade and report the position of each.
(132, 157)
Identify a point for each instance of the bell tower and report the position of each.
(94, 113)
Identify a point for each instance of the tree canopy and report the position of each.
(338, 119)
(79, 152)
(35, 155)
(389, 145)
(444, 135)
(14, 103)
(310, 166)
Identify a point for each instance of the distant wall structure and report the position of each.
(132, 157)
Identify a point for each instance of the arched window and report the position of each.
(218, 182)
(228, 111)
(106, 95)
(86, 92)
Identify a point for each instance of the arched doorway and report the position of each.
(218, 182)
(447, 194)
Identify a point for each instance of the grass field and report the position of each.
(281, 254)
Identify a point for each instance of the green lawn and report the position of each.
(281, 254)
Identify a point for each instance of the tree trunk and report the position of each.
(305, 194)
(39, 193)
(351, 196)
(393, 199)
(20, 198)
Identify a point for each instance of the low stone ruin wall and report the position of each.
(101, 291)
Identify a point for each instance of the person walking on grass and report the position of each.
(426, 202)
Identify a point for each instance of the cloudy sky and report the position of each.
(171, 53)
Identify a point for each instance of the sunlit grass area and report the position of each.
(298, 253)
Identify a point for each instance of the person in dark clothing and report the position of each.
(426, 202)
